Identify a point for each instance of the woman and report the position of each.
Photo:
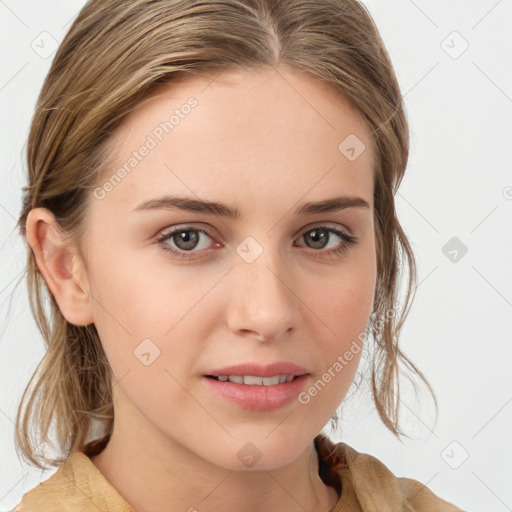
(211, 208)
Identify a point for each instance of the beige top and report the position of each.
(364, 484)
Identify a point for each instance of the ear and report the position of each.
(61, 266)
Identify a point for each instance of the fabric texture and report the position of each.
(363, 483)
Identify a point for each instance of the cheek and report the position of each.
(157, 302)
(342, 306)
(342, 313)
(344, 302)
(150, 322)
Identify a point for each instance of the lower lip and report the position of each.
(259, 398)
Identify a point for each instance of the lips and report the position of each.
(253, 386)
(259, 370)
(257, 398)
(252, 380)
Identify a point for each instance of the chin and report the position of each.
(257, 455)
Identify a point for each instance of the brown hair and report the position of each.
(117, 53)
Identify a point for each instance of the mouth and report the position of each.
(255, 393)
(253, 380)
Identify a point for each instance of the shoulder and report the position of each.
(45, 496)
(369, 483)
(72, 488)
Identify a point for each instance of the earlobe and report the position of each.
(60, 265)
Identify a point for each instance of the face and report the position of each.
(178, 293)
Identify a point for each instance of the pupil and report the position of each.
(319, 237)
(185, 240)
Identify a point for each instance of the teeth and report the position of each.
(252, 380)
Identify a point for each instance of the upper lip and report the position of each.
(259, 370)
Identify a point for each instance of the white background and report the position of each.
(458, 184)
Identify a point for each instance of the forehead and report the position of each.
(272, 134)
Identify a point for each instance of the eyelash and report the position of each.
(345, 245)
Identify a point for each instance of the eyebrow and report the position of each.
(213, 208)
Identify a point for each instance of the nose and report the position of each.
(264, 303)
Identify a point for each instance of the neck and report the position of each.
(152, 478)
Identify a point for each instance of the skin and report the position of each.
(265, 141)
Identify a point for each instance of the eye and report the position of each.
(187, 238)
(321, 236)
